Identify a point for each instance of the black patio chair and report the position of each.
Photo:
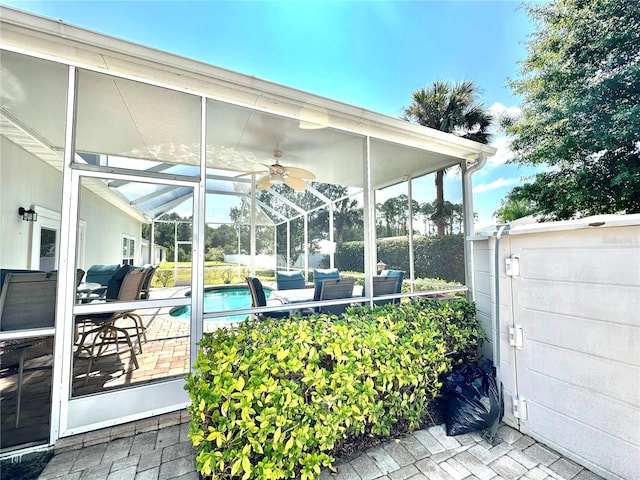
(259, 299)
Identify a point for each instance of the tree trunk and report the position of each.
(438, 216)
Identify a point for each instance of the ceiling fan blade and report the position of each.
(299, 172)
(295, 182)
(264, 183)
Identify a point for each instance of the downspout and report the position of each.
(502, 229)
(467, 201)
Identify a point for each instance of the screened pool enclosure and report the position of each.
(105, 139)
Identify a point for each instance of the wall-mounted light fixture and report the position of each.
(28, 215)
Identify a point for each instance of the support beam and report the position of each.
(411, 253)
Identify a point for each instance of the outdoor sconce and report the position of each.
(28, 215)
(380, 266)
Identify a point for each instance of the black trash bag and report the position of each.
(472, 401)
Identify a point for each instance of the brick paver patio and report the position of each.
(159, 448)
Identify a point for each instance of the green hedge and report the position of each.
(435, 257)
(273, 399)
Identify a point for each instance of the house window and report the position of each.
(48, 248)
(128, 250)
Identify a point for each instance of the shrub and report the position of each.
(273, 399)
(434, 257)
(162, 278)
(214, 254)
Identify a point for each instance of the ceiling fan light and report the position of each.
(276, 179)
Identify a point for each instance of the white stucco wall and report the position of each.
(26, 181)
(105, 227)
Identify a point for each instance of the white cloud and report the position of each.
(499, 183)
(503, 155)
(498, 109)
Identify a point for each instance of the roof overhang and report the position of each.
(272, 116)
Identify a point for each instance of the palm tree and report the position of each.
(451, 108)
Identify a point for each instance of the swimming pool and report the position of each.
(220, 298)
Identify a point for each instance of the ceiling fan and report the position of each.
(291, 176)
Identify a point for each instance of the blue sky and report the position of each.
(368, 54)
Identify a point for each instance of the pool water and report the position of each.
(219, 299)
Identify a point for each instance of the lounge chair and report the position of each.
(333, 290)
(27, 302)
(259, 299)
(102, 329)
(290, 280)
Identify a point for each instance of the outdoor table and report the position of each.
(85, 289)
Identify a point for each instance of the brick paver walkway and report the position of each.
(159, 448)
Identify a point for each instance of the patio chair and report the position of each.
(79, 276)
(6, 271)
(115, 282)
(27, 302)
(320, 275)
(102, 326)
(384, 286)
(259, 299)
(399, 276)
(141, 330)
(290, 280)
(334, 289)
(148, 279)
